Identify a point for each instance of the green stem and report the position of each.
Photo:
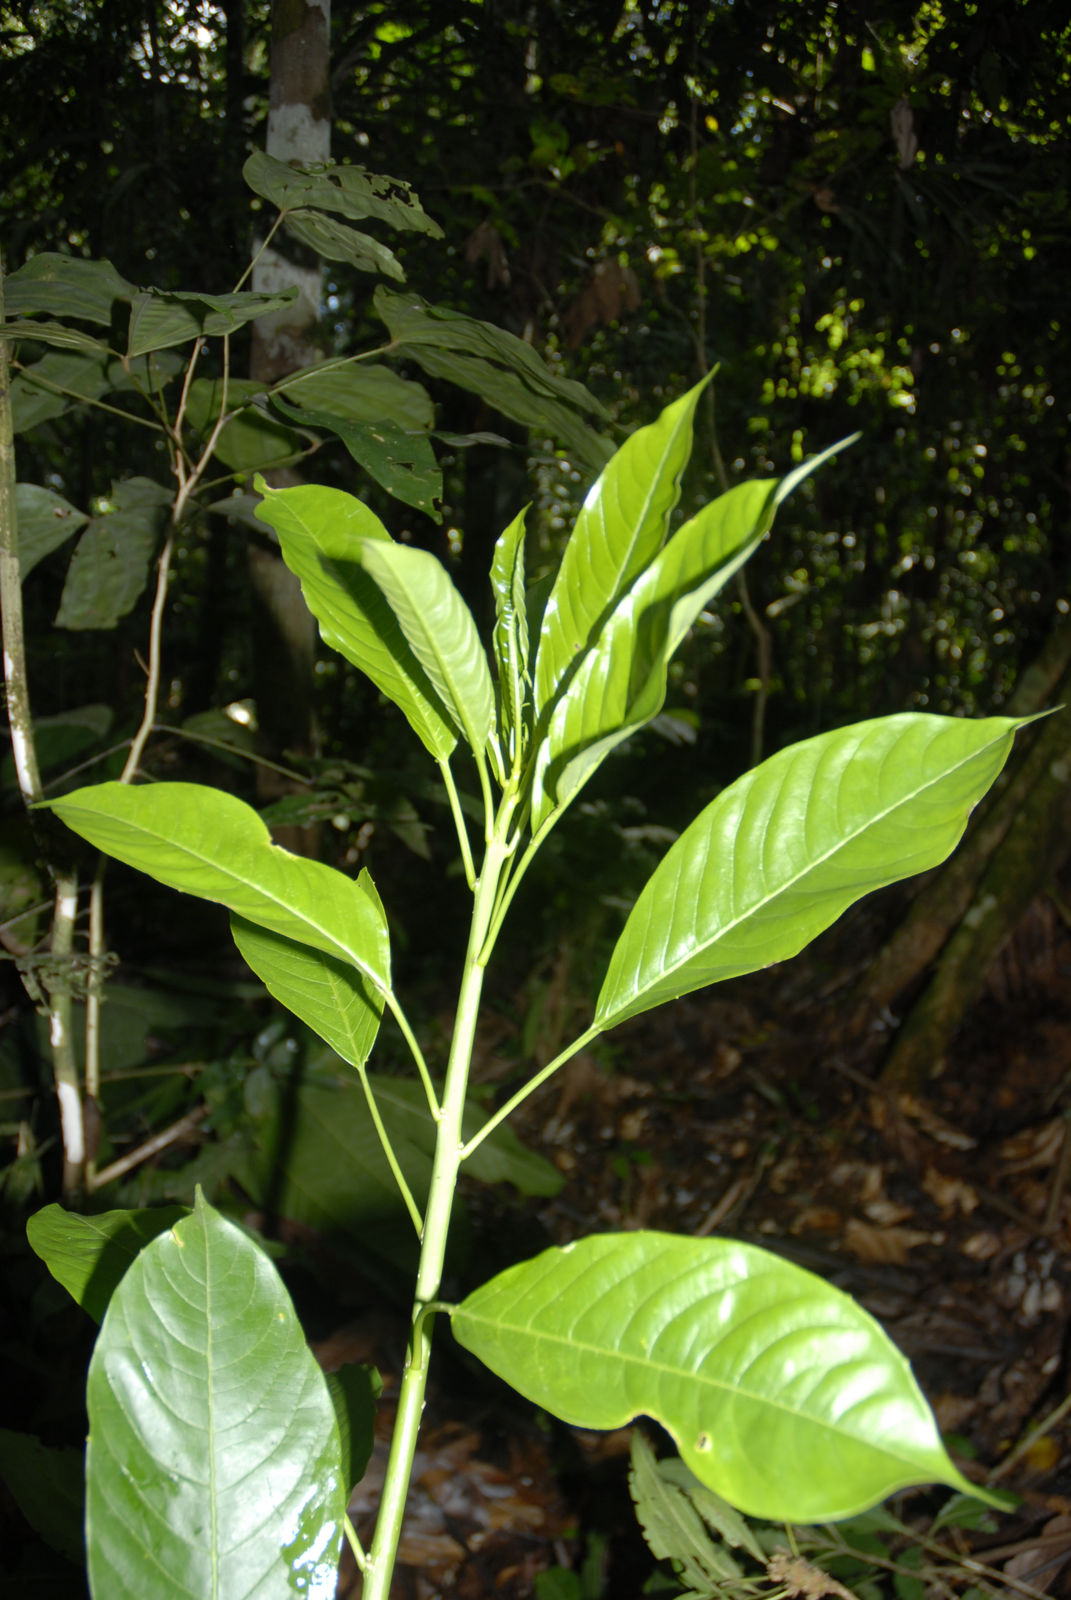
(529, 1088)
(448, 1146)
(414, 1049)
(388, 1150)
(459, 823)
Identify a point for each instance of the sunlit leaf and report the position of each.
(208, 843)
(110, 565)
(510, 638)
(214, 1461)
(782, 852)
(781, 1393)
(88, 1255)
(322, 533)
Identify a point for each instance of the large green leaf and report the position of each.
(348, 190)
(110, 565)
(159, 320)
(621, 527)
(781, 1393)
(88, 1255)
(55, 285)
(510, 638)
(360, 392)
(439, 629)
(782, 852)
(337, 1002)
(211, 844)
(45, 521)
(401, 461)
(214, 1466)
(621, 680)
(322, 533)
(253, 439)
(55, 383)
(337, 242)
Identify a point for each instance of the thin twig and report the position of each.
(151, 1147)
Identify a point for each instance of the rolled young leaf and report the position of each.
(208, 843)
(781, 1393)
(782, 852)
(214, 1465)
(510, 638)
(321, 534)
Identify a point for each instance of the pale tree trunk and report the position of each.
(284, 634)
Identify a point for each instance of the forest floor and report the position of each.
(947, 1216)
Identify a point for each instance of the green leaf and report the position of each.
(510, 637)
(45, 1482)
(621, 679)
(252, 439)
(354, 1391)
(159, 320)
(621, 527)
(322, 533)
(782, 852)
(56, 285)
(348, 190)
(439, 629)
(337, 1003)
(400, 461)
(214, 1462)
(337, 242)
(781, 1393)
(55, 334)
(208, 843)
(717, 1513)
(110, 565)
(45, 521)
(56, 383)
(360, 392)
(671, 1525)
(89, 1255)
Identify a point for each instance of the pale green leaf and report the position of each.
(782, 852)
(110, 565)
(211, 844)
(439, 629)
(337, 242)
(159, 320)
(214, 1462)
(45, 521)
(620, 528)
(349, 190)
(322, 533)
(56, 285)
(620, 682)
(510, 637)
(781, 1393)
(400, 461)
(88, 1255)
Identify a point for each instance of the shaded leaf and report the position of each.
(45, 1482)
(322, 533)
(349, 190)
(439, 629)
(251, 440)
(58, 382)
(110, 565)
(781, 1393)
(57, 285)
(360, 392)
(671, 1525)
(354, 1390)
(88, 1255)
(45, 521)
(782, 852)
(214, 1462)
(208, 843)
(334, 240)
(159, 320)
(55, 334)
(402, 462)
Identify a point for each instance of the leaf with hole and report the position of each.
(780, 1392)
(45, 521)
(348, 190)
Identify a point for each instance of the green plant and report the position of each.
(210, 1427)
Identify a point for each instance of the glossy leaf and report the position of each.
(782, 852)
(400, 461)
(110, 565)
(349, 190)
(159, 320)
(781, 1393)
(45, 521)
(88, 1255)
(620, 528)
(334, 240)
(322, 533)
(208, 843)
(439, 629)
(510, 637)
(335, 1001)
(55, 285)
(251, 440)
(621, 679)
(214, 1461)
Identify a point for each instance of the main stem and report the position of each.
(448, 1146)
